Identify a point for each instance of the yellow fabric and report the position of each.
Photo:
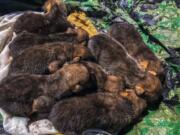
(79, 19)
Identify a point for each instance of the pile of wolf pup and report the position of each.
(78, 82)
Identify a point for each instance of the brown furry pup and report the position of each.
(130, 38)
(113, 57)
(107, 111)
(97, 80)
(24, 94)
(48, 58)
(26, 40)
(51, 22)
(20, 93)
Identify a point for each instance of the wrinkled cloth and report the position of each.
(19, 125)
(6, 32)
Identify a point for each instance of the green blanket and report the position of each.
(162, 21)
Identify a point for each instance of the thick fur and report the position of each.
(24, 94)
(111, 55)
(107, 111)
(26, 40)
(104, 82)
(98, 75)
(52, 22)
(115, 59)
(130, 38)
(149, 88)
(18, 92)
(47, 58)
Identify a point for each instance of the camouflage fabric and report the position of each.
(158, 21)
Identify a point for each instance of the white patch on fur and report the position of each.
(42, 127)
(14, 125)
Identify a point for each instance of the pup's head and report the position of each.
(81, 35)
(154, 67)
(41, 103)
(69, 79)
(149, 88)
(138, 103)
(50, 4)
(82, 52)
